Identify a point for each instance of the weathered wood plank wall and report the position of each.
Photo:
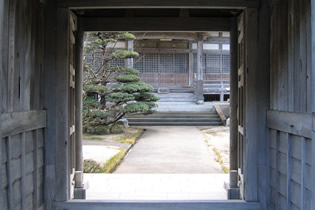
(23, 119)
(289, 120)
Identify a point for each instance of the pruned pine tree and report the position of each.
(110, 90)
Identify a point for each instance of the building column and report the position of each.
(130, 47)
(191, 65)
(79, 191)
(233, 191)
(200, 67)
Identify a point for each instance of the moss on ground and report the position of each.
(220, 161)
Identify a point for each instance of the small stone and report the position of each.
(228, 122)
(123, 122)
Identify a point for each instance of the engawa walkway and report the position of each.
(170, 150)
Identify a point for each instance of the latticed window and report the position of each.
(181, 63)
(151, 63)
(116, 62)
(226, 64)
(166, 63)
(147, 63)
(212, 64)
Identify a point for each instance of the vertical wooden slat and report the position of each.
(291, 55)
(23, 194)
(289, 170)
(303, 172)
(35, 177)
(9, 174)
(277, 170)
(11, 57)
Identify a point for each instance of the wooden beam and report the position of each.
(157, 205)
(295, 123)
(155, 24)
(62, 106)
(222, 4)
(18, 122)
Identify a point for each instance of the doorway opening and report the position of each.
(182, 150)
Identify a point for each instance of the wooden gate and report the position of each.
(164, 69)
(241, 110)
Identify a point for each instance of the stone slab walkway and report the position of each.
(156, 186)
(170, 150)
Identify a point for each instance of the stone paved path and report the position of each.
(170, 150)
(156, 186)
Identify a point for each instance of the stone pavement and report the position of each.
(156, 186)
(170, 150)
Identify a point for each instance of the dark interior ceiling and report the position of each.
(157, 12)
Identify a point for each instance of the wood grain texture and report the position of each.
(252, 92)
(160, 24)
(62, 105)
(295, 123)
(158, 4)
(18, 122)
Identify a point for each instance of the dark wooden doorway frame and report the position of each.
(64, 197)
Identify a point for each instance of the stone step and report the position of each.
(173, 120)
(176, 118)
(176, 124)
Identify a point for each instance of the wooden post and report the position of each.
(1, 70)
(233, 106)
(130, 60)
(191, 65)
(62, 106)
(50, 103)
(252, 95)
(79, 191)
(257, 33)
(200, 67)
(313, 100)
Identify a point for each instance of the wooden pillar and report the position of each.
(257, 57)
(252, 95)
(262, 103)
(1, 70)
(200, 67)
(313, 101)
(233, 107)
(62, 106)
(50, 103)
(191, 65)
(131, 48)
(79, 191)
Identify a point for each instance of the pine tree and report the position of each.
(110, 90)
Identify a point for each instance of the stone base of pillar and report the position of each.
(79, 191)
(232, 189)
(199, 92)
(233, 193)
